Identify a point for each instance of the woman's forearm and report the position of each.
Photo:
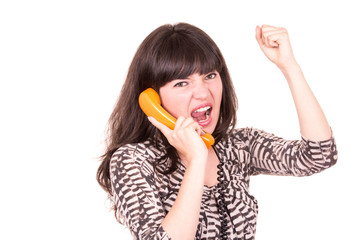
(312, 121)
(182, 220)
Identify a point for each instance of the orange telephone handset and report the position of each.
(150, 104)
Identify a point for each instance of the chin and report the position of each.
(210, 129)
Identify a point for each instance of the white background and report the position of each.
(62, 64)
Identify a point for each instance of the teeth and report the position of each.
(202, 109)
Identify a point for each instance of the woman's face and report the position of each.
(197, 96)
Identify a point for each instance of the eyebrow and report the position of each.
(188, 77)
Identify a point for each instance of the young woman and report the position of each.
(165, 183)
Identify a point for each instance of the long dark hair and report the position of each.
(169, 52)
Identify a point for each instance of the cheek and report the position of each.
(170, 107)
(218, 92)
(171, 103)
(218, 97)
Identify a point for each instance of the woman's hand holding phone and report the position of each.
(185, 138)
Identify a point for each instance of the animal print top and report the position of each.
(143, 197)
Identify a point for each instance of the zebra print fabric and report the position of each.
(143, 197)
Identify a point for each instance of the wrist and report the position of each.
(292, 72)
(289, 67)
(197, 158)
(196, 170)
(197, 162)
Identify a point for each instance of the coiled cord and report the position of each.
(221, 199)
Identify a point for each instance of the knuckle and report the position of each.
(190, 119)
(173, 137)
(196, 125)
(181, 118)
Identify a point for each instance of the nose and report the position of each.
(200, 89)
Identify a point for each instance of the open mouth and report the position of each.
(202, 115)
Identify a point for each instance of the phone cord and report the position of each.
(221, 200)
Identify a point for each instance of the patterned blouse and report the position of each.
(143, 196)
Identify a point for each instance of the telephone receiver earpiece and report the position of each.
(150, 104)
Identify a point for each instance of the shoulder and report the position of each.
(235, 138)
(140, 156)
(249, 133)
(240, 134)
(240, 137)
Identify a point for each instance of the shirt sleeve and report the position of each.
(135, 194)
(274, 155)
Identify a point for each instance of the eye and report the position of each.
(210, 76)
(180, 84)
